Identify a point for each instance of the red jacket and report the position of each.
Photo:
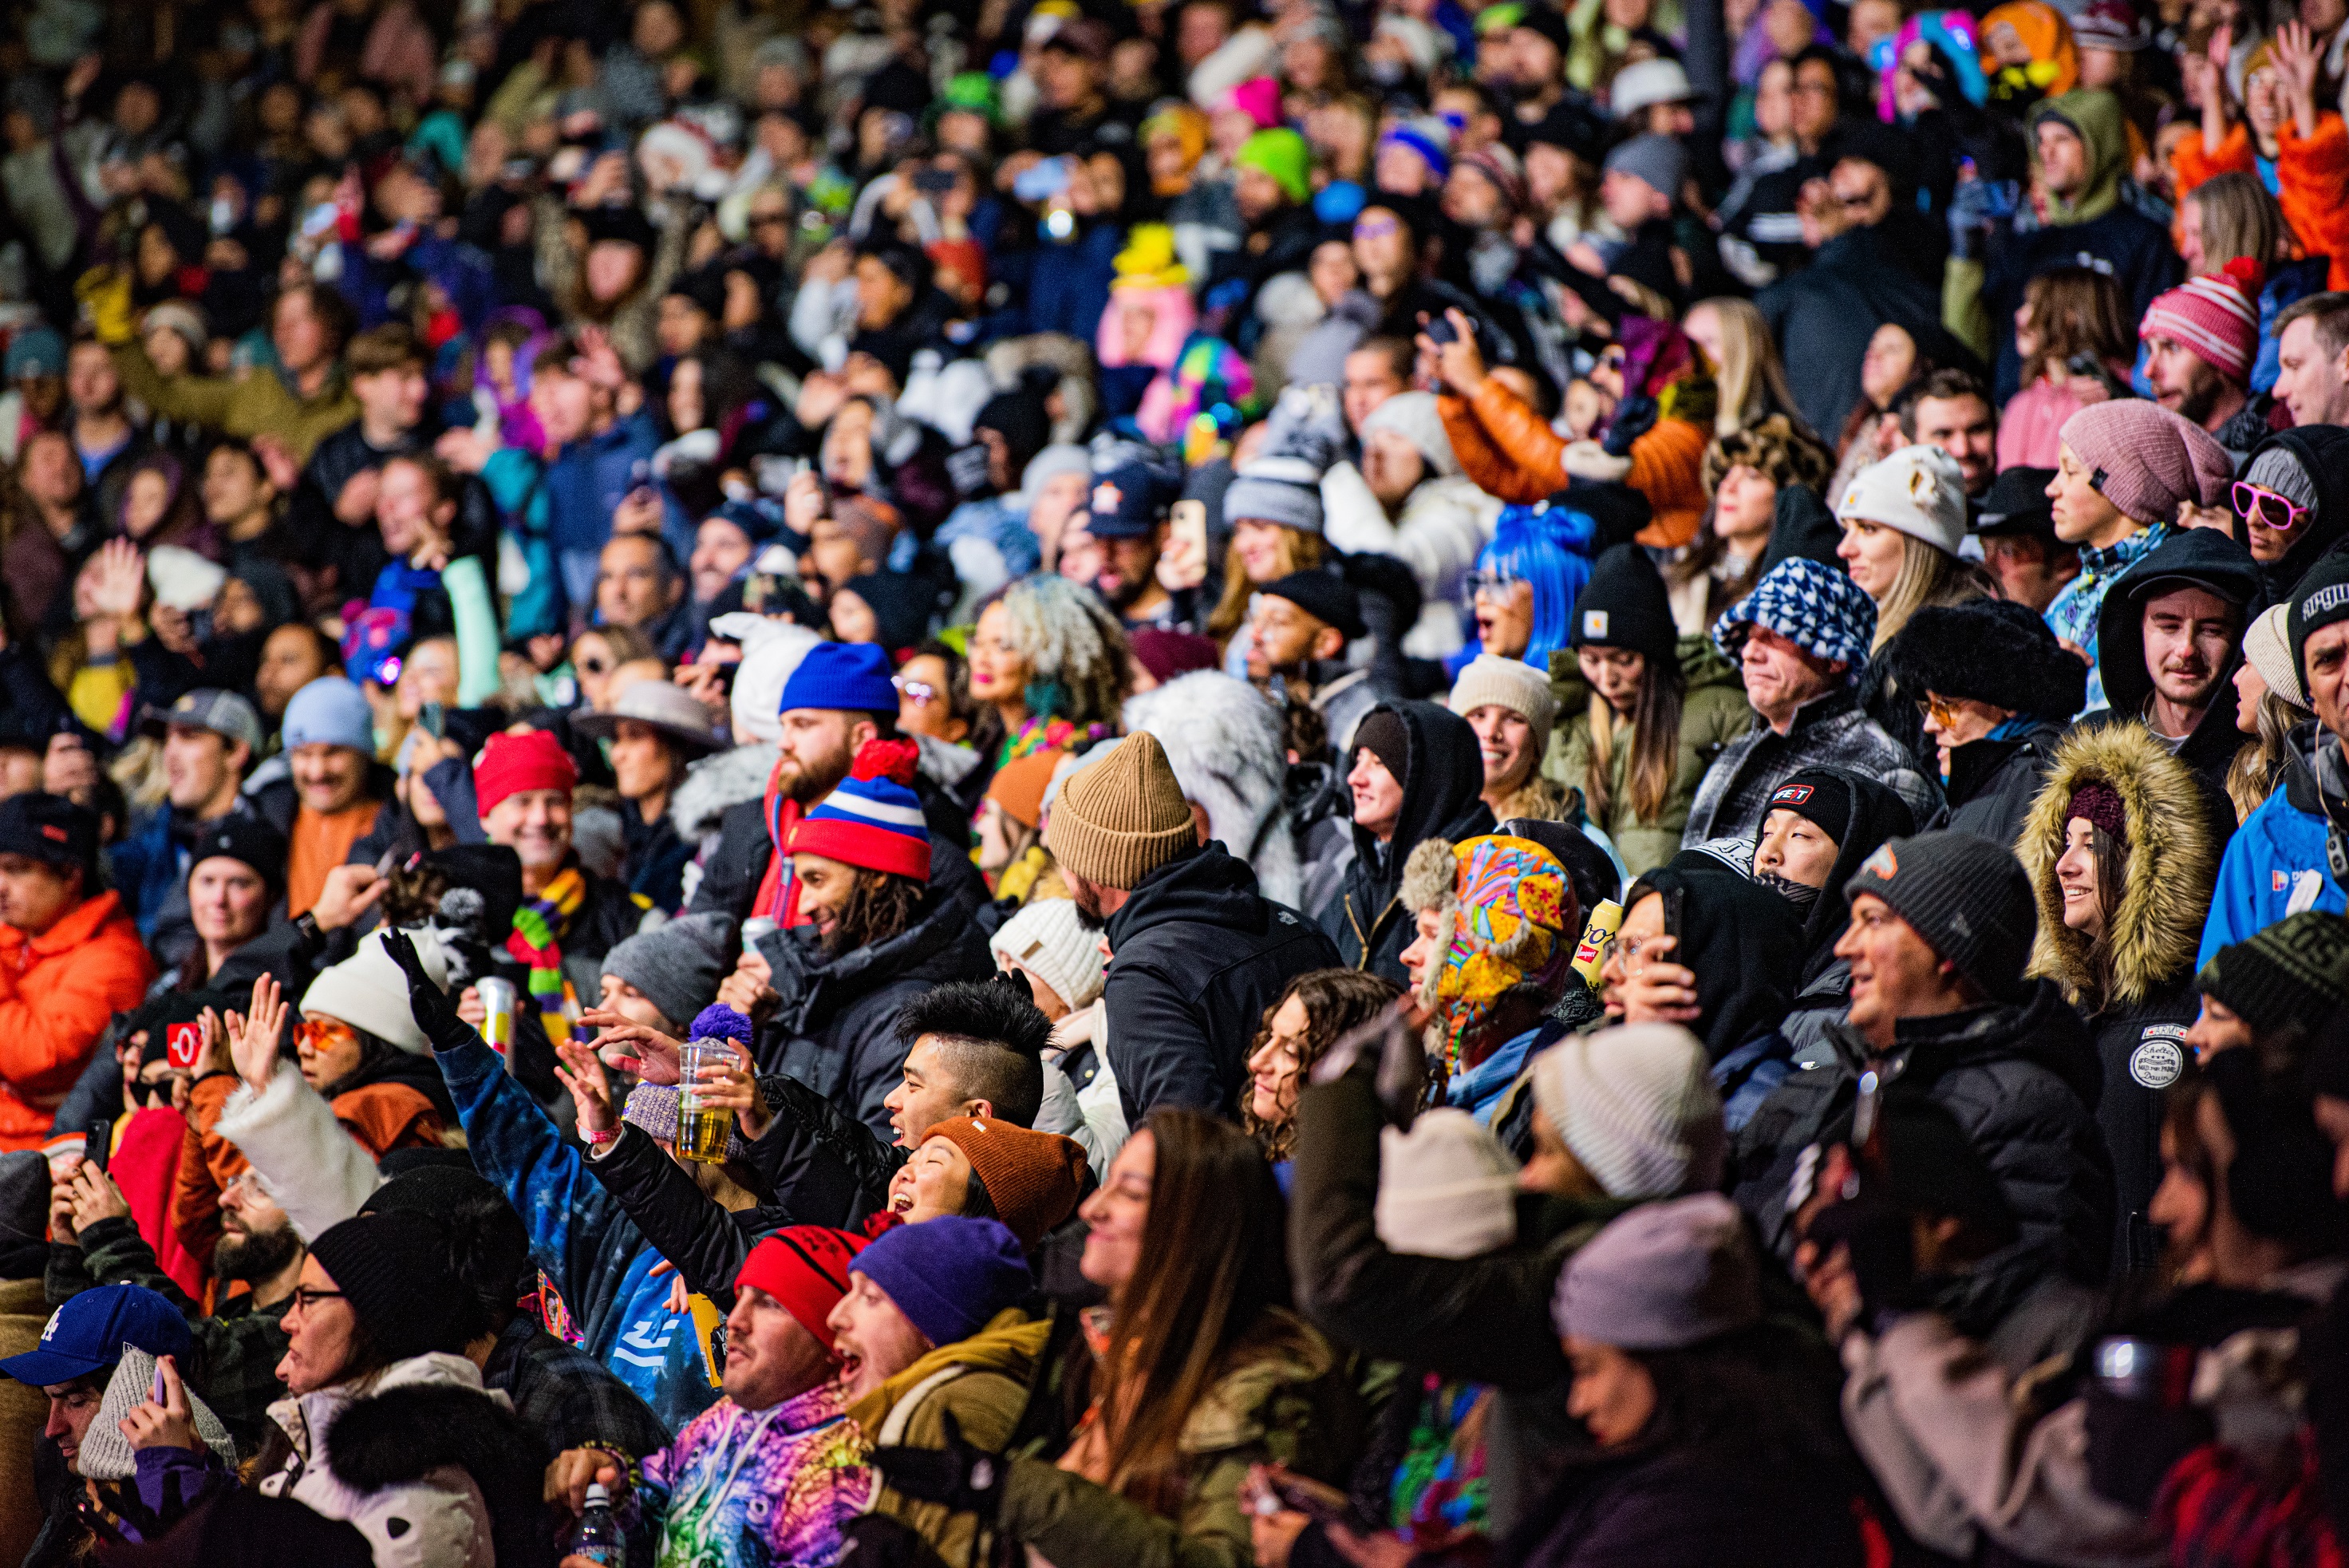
(58, 990)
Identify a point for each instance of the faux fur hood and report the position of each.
(2172, 863)
(399, 1436)
(718, 783)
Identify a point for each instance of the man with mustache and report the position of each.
(2169, 638)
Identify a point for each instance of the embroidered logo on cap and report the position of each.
(1594, 623)
(1883, 863)
(50, 830)
(1107, 497)
(1792, 794)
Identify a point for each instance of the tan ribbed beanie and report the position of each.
(1122, 817)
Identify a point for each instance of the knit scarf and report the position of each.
(775, 888)
(539, 928)
(1041, 734)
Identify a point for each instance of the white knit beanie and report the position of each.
(1918, 490)
(2267, 647)
(1413, 416)
(370, 990)
(1446, 1188)
(1047, 939)
(1512, 683)
(1635, 1106)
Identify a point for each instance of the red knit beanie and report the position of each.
(805, 1267)
(509, 764)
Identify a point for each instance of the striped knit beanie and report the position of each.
(874, 819)
(2217, 317)
(2296, 968)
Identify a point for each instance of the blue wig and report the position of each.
(1549, 548)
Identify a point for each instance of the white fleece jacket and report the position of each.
(318, 1173)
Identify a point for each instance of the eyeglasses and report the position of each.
(920, 693)
(1938, 711)
(1376, 228)
(304, 1298)
(2263, 507)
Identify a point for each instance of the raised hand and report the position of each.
(253, 1044)
(96, 1197)
(635, 1047)
(427, 1003)
(734, 1086)
(350, 891)
(119, 583)
(591, 1091)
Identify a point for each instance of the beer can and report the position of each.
(497, 999)
(1591, 954)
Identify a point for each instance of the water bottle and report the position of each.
(599, 1539)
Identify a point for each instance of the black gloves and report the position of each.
(1883, 1261)
(427, 1003)
(966, 1480)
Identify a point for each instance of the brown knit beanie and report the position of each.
(1032, 1179)
(1121, 818)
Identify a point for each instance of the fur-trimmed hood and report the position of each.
(716, 783)
(2172, 863)
(402, 1436)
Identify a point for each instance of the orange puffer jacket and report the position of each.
(1508, 449)
(2312, 183)
(57, 992)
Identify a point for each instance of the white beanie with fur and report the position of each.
(1918, 490)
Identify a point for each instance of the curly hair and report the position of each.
(1079, 664)
(1776, 448)
(1334, 1001)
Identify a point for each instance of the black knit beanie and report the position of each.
(1821, 795)
(2296, 968)
(1967, 897)
(1382, 734)
(1624, 605)
(393, 1268)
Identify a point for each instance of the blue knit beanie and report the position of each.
(948, 1275)
(850, 676)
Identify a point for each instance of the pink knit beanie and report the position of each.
(2150, 458)
(2215, 316)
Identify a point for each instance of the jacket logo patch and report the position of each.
(1792, 794)
(1883, 863)
(2278, 881)
(1594, 623)
(183, 1046)
(2157, 1060)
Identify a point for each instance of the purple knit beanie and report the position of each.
(2151, 459)
(947, 1275)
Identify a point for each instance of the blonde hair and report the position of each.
(1075, 650)
(1751, 380)
(2259, 762)
(2239, 221)
(1300, 551)
(1929, 576)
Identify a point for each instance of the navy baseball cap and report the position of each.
(87, 1335)
(1124, 503)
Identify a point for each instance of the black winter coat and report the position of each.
(681, 1222)
(1992, 784)
(839, 1018)
(1198, 956)
(1691, 1505)
(1442, 798)
(2141, 1050)
(2020, 1078)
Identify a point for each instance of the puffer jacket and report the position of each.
(1442, 798)
(1508, 449)
(837, 1029)
(439, 1517)
(1444, 524)
(1713, 713)
(1197, 956)
(2021, 1077)
(58, 992)
(1485, 1319)
(1832, 730)
(2275, 864)
(2140, 1013)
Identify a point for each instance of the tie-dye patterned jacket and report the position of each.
(745, 1488)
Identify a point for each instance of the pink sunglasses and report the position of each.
(2256, 504)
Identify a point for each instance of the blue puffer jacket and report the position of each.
(2274, 865)
(582, 1238)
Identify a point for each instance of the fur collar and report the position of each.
(716, 783)
(2172, 863)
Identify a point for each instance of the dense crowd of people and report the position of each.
(1184, 783)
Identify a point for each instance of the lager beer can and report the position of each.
(498, 1029)
(1590, 955)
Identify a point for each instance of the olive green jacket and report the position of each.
(1292, 1403)
(982, 1382)
(258, 402)
(1714, 713)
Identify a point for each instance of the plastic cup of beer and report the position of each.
(702, 1131)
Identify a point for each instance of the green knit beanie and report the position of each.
(1281, 153)
(2296, 968)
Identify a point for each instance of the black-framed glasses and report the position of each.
(304, 1298)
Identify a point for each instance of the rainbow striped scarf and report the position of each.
(539, 928)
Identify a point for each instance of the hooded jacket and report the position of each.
(786, 1478)
(2140, 1024)
(1714, 713)
(2099, 224)
(1744, 944)
(2275, 865)
(839, 1015)
(1824, 988)
(1832, 731)
(2021, 1078)
(1197, 956)
(2197, 557)
(2323, 455)
(1442, 798)
(58, 990)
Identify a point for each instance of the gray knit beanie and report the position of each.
(1636, 1105)
(1664, 1276)
(1968, 897)
(679, 965)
